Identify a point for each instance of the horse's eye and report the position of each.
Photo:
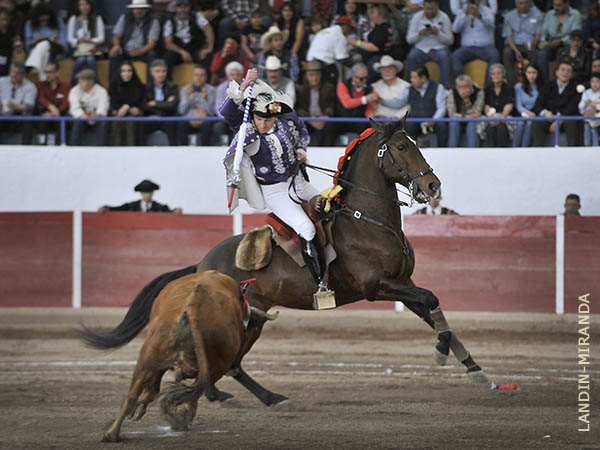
(401, 147)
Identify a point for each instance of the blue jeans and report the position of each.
(465, 54)
(522, 136)
(590, 135)
(418, 58)
(544, 56)
(454, 134)
(80, 61)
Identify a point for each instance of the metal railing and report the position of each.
(64, 119)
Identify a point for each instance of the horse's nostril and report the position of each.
(433, 187)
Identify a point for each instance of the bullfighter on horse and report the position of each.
(274, 148)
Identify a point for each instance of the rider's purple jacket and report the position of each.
(268, 164)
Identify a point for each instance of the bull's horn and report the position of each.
(264, 315)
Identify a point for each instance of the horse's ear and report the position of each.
(400, 123)
(379, 127)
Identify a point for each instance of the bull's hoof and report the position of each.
(110, 437)
(284, 405)
(231, 403)
(477, 375)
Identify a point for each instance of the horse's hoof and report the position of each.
(231, 402)
(276, 399)
(478, 376)
(439, 357)
(284, 405)
(107, 437)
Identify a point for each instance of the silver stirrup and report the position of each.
(324, 298)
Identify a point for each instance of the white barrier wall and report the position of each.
(528, 181)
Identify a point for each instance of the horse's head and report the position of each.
(401, 161)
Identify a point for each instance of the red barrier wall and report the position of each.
(582, 261)
(36, 250)
(123, 251)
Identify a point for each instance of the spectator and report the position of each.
(522, 31)
(52, 101)
(251, 36)
(126, 100)
(526, 94)
(85, 33)
(18, 98)
(595, 66)
(356, 98)
(576, 55)
(316, 98)
(45, 38)
(557, 96)
(322, 9)
(88, 99)
(572, 205)
(475, 23)
(499, 102)
(379, 40)
(330, 47)
(459, 5)
(464, 101)
(359, 21)
(230, 52)
(435, 208)
(275, 78)
(234, 71)
(161, 100)
(273, 42)
(426, 98)
(197, 99)
(134, 36)
(429, 31)
(235, 16)
(590, 106)
(390, 86)
(294, 25)
(558, 25)
(591, 28)
(7, 38)
(188, 37)
(146, 204)
(16, 17)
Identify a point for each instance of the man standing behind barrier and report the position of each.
(88, 99)
(572, 205)
(557, 97)
(146, 204)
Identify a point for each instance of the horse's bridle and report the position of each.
(383, 150)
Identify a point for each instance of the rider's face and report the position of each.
(263, 124)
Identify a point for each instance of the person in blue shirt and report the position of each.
(526, 94)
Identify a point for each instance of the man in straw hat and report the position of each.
(274, 148)
(145, 204)
(272, 43)
(88, 99)
(134, 36)
(390, 86)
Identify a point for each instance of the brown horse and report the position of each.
(196, 330)
(374, 261)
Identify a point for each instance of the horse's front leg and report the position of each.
(427, 305)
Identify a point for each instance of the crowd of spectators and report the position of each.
(334, 58)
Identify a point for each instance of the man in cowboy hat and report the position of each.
(272, 43)
(274, 147)
(146, 204)
(316, 98)
(275, 78)
(134, 36)
(390, 86)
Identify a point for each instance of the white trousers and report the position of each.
(277, 200)
(39, 57)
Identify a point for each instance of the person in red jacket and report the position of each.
(52, 101)
(231, 51)
(356, 98)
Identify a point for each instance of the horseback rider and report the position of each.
(274, 149)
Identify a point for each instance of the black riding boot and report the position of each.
(323, 298)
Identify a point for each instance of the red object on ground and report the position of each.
(509, 387)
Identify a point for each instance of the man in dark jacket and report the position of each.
(162, 99)
(146, 204)
(557, 97)
(316, 98)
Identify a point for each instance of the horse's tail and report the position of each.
(136, 318)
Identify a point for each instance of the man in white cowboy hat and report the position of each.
(134, 36)
(390, 86)
(272, 43)
(275, 145)
(275, 78)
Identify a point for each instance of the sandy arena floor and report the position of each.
(356, 380)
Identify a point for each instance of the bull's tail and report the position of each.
(136, 318)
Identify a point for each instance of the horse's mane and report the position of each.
(344, 160)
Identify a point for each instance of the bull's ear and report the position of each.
(378, 126)
(400, 123)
